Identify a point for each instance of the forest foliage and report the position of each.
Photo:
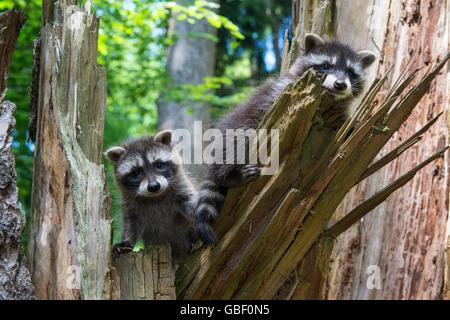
(133, 43)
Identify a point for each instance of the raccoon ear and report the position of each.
(312, 41)
(115, 153)
(367, 57)
(165, 137)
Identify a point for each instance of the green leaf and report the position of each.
(139, 246)
(181, 17)
(214, 21)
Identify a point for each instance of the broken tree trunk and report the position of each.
(69, 249)
(267, 227)
(15, 280)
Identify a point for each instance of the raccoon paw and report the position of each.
(123, 247)
(250, 172)
(206, 234)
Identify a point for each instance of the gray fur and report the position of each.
(159, 218)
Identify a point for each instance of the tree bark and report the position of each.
(15, 282)
(70, 236)
(314, 16)
(10, 22)
(277, 228)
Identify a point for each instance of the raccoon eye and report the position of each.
(326, 66)
(352, 73)
(135, 173)
(160, 165)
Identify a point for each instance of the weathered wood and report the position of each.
(368, 205)
(70, 236)
(446, 287)
(311, 274)
(146, 275)
(15, 282)
(238, 214)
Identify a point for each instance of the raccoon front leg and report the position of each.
(187, 204)
(132, 230)
(179, 249)
(212, 195)
(230, 176)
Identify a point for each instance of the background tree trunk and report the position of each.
(15, 280)
(70, 237)
(189, 61)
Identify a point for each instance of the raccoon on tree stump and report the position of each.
(158, 198)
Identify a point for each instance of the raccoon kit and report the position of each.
(343, 69)
(158, 197)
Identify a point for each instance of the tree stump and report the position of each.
(145, 275)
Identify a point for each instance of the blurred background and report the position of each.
(167, 63)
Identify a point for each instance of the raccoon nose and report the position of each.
(340, 85)
(153, 186)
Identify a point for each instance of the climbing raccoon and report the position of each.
(158, 198)
(345, 77)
